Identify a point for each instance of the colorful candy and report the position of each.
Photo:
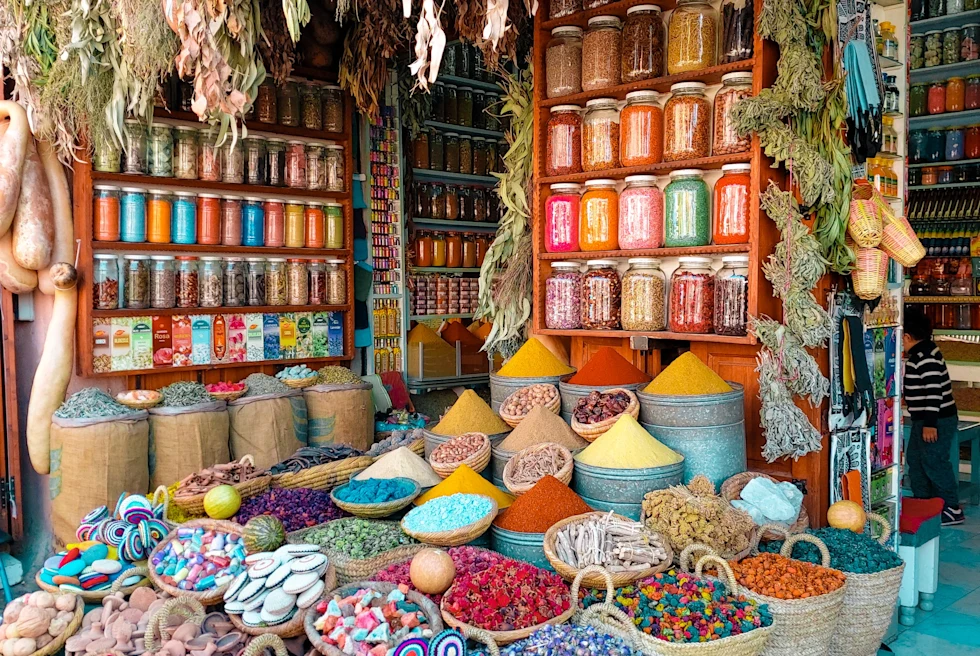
(199, 560)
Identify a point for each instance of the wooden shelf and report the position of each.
(262, 191)
(467, 82)
(649, 252)
(459, 129)
(263, 129)
(581, 18)
(225, 251)
(942, 22)
(416, 269)
(241, 309)
(711, 75)
(624, 334)
(427, 317)
(447, 176)
(713, 162)
(224, 365)
(942, 299)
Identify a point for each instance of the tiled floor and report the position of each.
(952, 628)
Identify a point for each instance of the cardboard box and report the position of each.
(121, 345)
(163, 343)
(142, 343)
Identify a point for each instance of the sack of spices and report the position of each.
(186, 439)
(340, 414)
(265, 426)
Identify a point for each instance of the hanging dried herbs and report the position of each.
(148, 50)
(375, 39)
(415, 104)
(277, 48)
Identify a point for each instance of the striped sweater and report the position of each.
(928, 391)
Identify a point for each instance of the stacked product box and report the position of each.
(438, 294)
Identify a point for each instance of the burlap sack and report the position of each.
(93, 461)
(265, 427)
(186, 440)
(340, 414)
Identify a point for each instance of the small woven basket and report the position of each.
(74, 625)
(864, 223)
(375, 510)
(457, 536)
(870, 273)
(563, 474)
(229, 396)
(732, 488)
(299, 383)
(326, 476)
(140, 405)
(194, 505)
(477, 461)
(592, 432)
(554, 405)
(205, 597)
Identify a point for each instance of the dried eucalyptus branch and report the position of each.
(800, 372)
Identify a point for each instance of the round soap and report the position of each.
(107, 566)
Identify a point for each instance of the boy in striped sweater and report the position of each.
(929, 397)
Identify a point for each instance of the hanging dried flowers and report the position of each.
(430, 43)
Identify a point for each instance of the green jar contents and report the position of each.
(160, 151)
(134, 137)
(688, 210)
(335, 225)
(358, 539)
(917, 99)
(107, 157)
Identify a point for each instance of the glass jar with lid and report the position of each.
(208, 157)
(598, 228)
(295, 164)
(256, 161)
(951, 45)
(420, 149)
(275, 156)
(692, 297)
(183, 224)
(731, 206)
(917, 100)
(452, 104)
(255, 228)
(297, 282)
(641, 129)
(438, 113)
(962, 285)
(316, 173)
(563, 61)
(563, 297)
(311, 107)
(451, 152)
(955, 142)
(732, 296)
(315, 225)
(106, 155)
(159, 208)
(601, 290)
(970, 44)
(562, 8)
(185, 155)
(231, 220)
(255, 281)
(137, 282)
(687, 123)
(454, 250)
(469, 250)
(644, 302)
(160, 151)
(288, 103)
(644, 43)
(132, 215)
(971, 96)
(333, 161)
(451, 199)
(936, 97)
(738, 31)
(334, 217)
(275, 281)
(561, 218)
(438, 249)
(318, 282)
(692, 37)
(210, 275)
(295, 229)
(481, 163)
(687, 210)
(105, 213)
(333, 108)
(162, 282)
(105, 294)
(600, 135)
(727, 141)
(423, 249)
(436, 151)
(233, 281)
(917, 51)
(186, 281)
(208, 219)
(955, 94)
(564, 134)
(641, 213)
(134, 147)
(336, 282)
(465, 195)
(466, 154)
(266, 106)
(935, 144)
(232, 161)
(601, 53)
(464, 107)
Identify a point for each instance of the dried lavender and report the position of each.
(90, 403)
(184, 393)
(259, 384)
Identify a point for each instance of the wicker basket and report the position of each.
(265, 641)
(429, 609)
(477, 461)
(207, 597)
(375, 510)
(900, 242)
(457, 536)
(595, 577)
(864, 224)
(731, 489)
(194, 505)
(513, 420)
(229, 396)
(418, 447)
(298, 383)
(592, 432)
(324, 477)
(564, 474)
(74, 625)
(139, 405)
(870, 273)
(158, 627)
(96, 596)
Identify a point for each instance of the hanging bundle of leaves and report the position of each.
(277, 48)
(148, 51)
(378, 35)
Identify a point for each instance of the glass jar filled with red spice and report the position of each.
(561, 212)
(296, 164)
(971, 95)
(735, 86)
(601, 295)
(731, 204)
(644, 42)
(936, 98)
(454, 250)
(971, 142)
(600, 135)
(732, 296)
(692, 297)
(208, 219)
(231, 220)
(601, 53)
(641, 129)
(275, 223)
(687, 123)
(564, 140)
(423, 249)
(563, 297)
(563, 61)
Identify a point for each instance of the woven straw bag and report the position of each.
(206, 597)
(870, 273)
(864, 223)
(457, 536)
(563, 474)
(74, 625)
(477, 461)
(732, 488)
(375, 510)
(513, 420)
(592, 432)
(194, 505)
(901, 243)
(324, 477)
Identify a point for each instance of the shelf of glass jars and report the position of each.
(428, 317)
(887, 63)
(225, 365)
(721, 249)
(456, 226)
(921, 165)
(622, 334)
(217, 249)
(581, 18)
(942, 72)
(255, 127)
(225, 309)
(945, 120)
(712, 162)
(946, 185)
(460, 129)
(942, 22)
(432, 269)
(467, 82)
(942, 299)
(710, 75)
(263, 191)
(448, 176)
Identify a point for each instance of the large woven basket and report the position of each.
(870, 273)
(375, 510)
(900, 242)
(158, 627)
(194, 505)
(207, 597)
(74, 625)
(457, 536)
(592, 432)
(513, 420)
(594, 577)
(477, 461)
(96, 597)
(324, 477)
(564, 474)
(229, 396)
(864, 223)
(732, 488)
(429, 609)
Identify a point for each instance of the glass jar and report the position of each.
(692, 37)
(970, 43)
(333, 108)
(601, 288)
(492, 159)
(481, 206)
(275, 281)
(295, 164)
(255, 281)
(435, 198)
(936, 100)
(266, 105)
(644, 42)
(641, 214)
(731, 206)
(159, 209)
(183, 223)
(186, 281)
(436, 151)
(420, 149)
(738, 23)
(452, 105)
(132, 215)
(599, 216)
(466, 154)
(601, 53)
(600, 135)
(295, 224)
(563, 297)
(727, 141)
(481, 163)
(955, 143)
(311, 107)
(955, 94)
(641, 129)
(256, 161)
(687, 210)
(438, 250)
(454, 250)
(955, 6)
(163, 293)
(160, 151)
(233, 281)
(318, 282)
(961, 286)
(971, 148)
(288, 103)
(333, 161)
(562, 8)
(105, 213)
(451, 152)
(334, 216)
(692, 296)
(465, 203)
(210, 294)
(917, 100)
(105, 287)
(732, 296)
(137, 284)
(232, 162)
(951, 45)
(208, 219)
(469, 251)
(255, 226)
(297, 283)
(564, 141)
(336, 283)
(185, 155)
(936, 8)
(918, 143)
(935, 145)
(423, 249)
(106, 156)
(945, 175)
(561, 212)
(315, 225)
(563, 61)
(464, 104)
(917, 51)
(231, 220)
(687, 123)
(134, 147)
(929, 176)
(480, 109)
(972, 94)
(438, 112)
(933, 54)
(208, 158)
(644, 295)
(452, 202)
(316, 172)
(482, 246)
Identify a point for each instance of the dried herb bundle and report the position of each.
(379, 34)
(148, 49)
(277, 48)
(788, 431)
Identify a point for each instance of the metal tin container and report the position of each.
(570, 394)
(498, 460)
(622, 490)
(708, 430)
(528, 547)
(503, 386)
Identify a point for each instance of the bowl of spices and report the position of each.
(523, 471)
(470, 449)
(375, 497)
(241, 474)
(451, 520)
(139, 399)
(598, 412)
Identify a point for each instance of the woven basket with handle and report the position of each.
(194, 504)
(563, 473)
(592, 432)
(205, 597)
(870, 273)
(864, 223)
(326, 476)
(477, 461)
(900, 242)
(74, 625)
(732, 488)
(457, 536)
(554, 405)
(158, 627)
(375, 510)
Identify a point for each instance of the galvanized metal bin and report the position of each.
(708, 430)
(528, 547)
(433, 440)
(503, 386)
(498, 460)
(622, 490)
(570, 394)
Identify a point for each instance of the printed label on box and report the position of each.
(219, 340)
(122, 347)
(270, 336)
(142, 343)
(254, 338)
(163, 343)
(287, 336)
(181, 330)
(304, 334)
(102, 346)
(320, 334)
(236, 337)
(335, 333)
(201, 339)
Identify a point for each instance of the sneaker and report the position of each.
(952, 517)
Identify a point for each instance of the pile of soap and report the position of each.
(32, 621)
(198, 560)
(88, 566)
(135, 527)
(276, 585)
(367, 622)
